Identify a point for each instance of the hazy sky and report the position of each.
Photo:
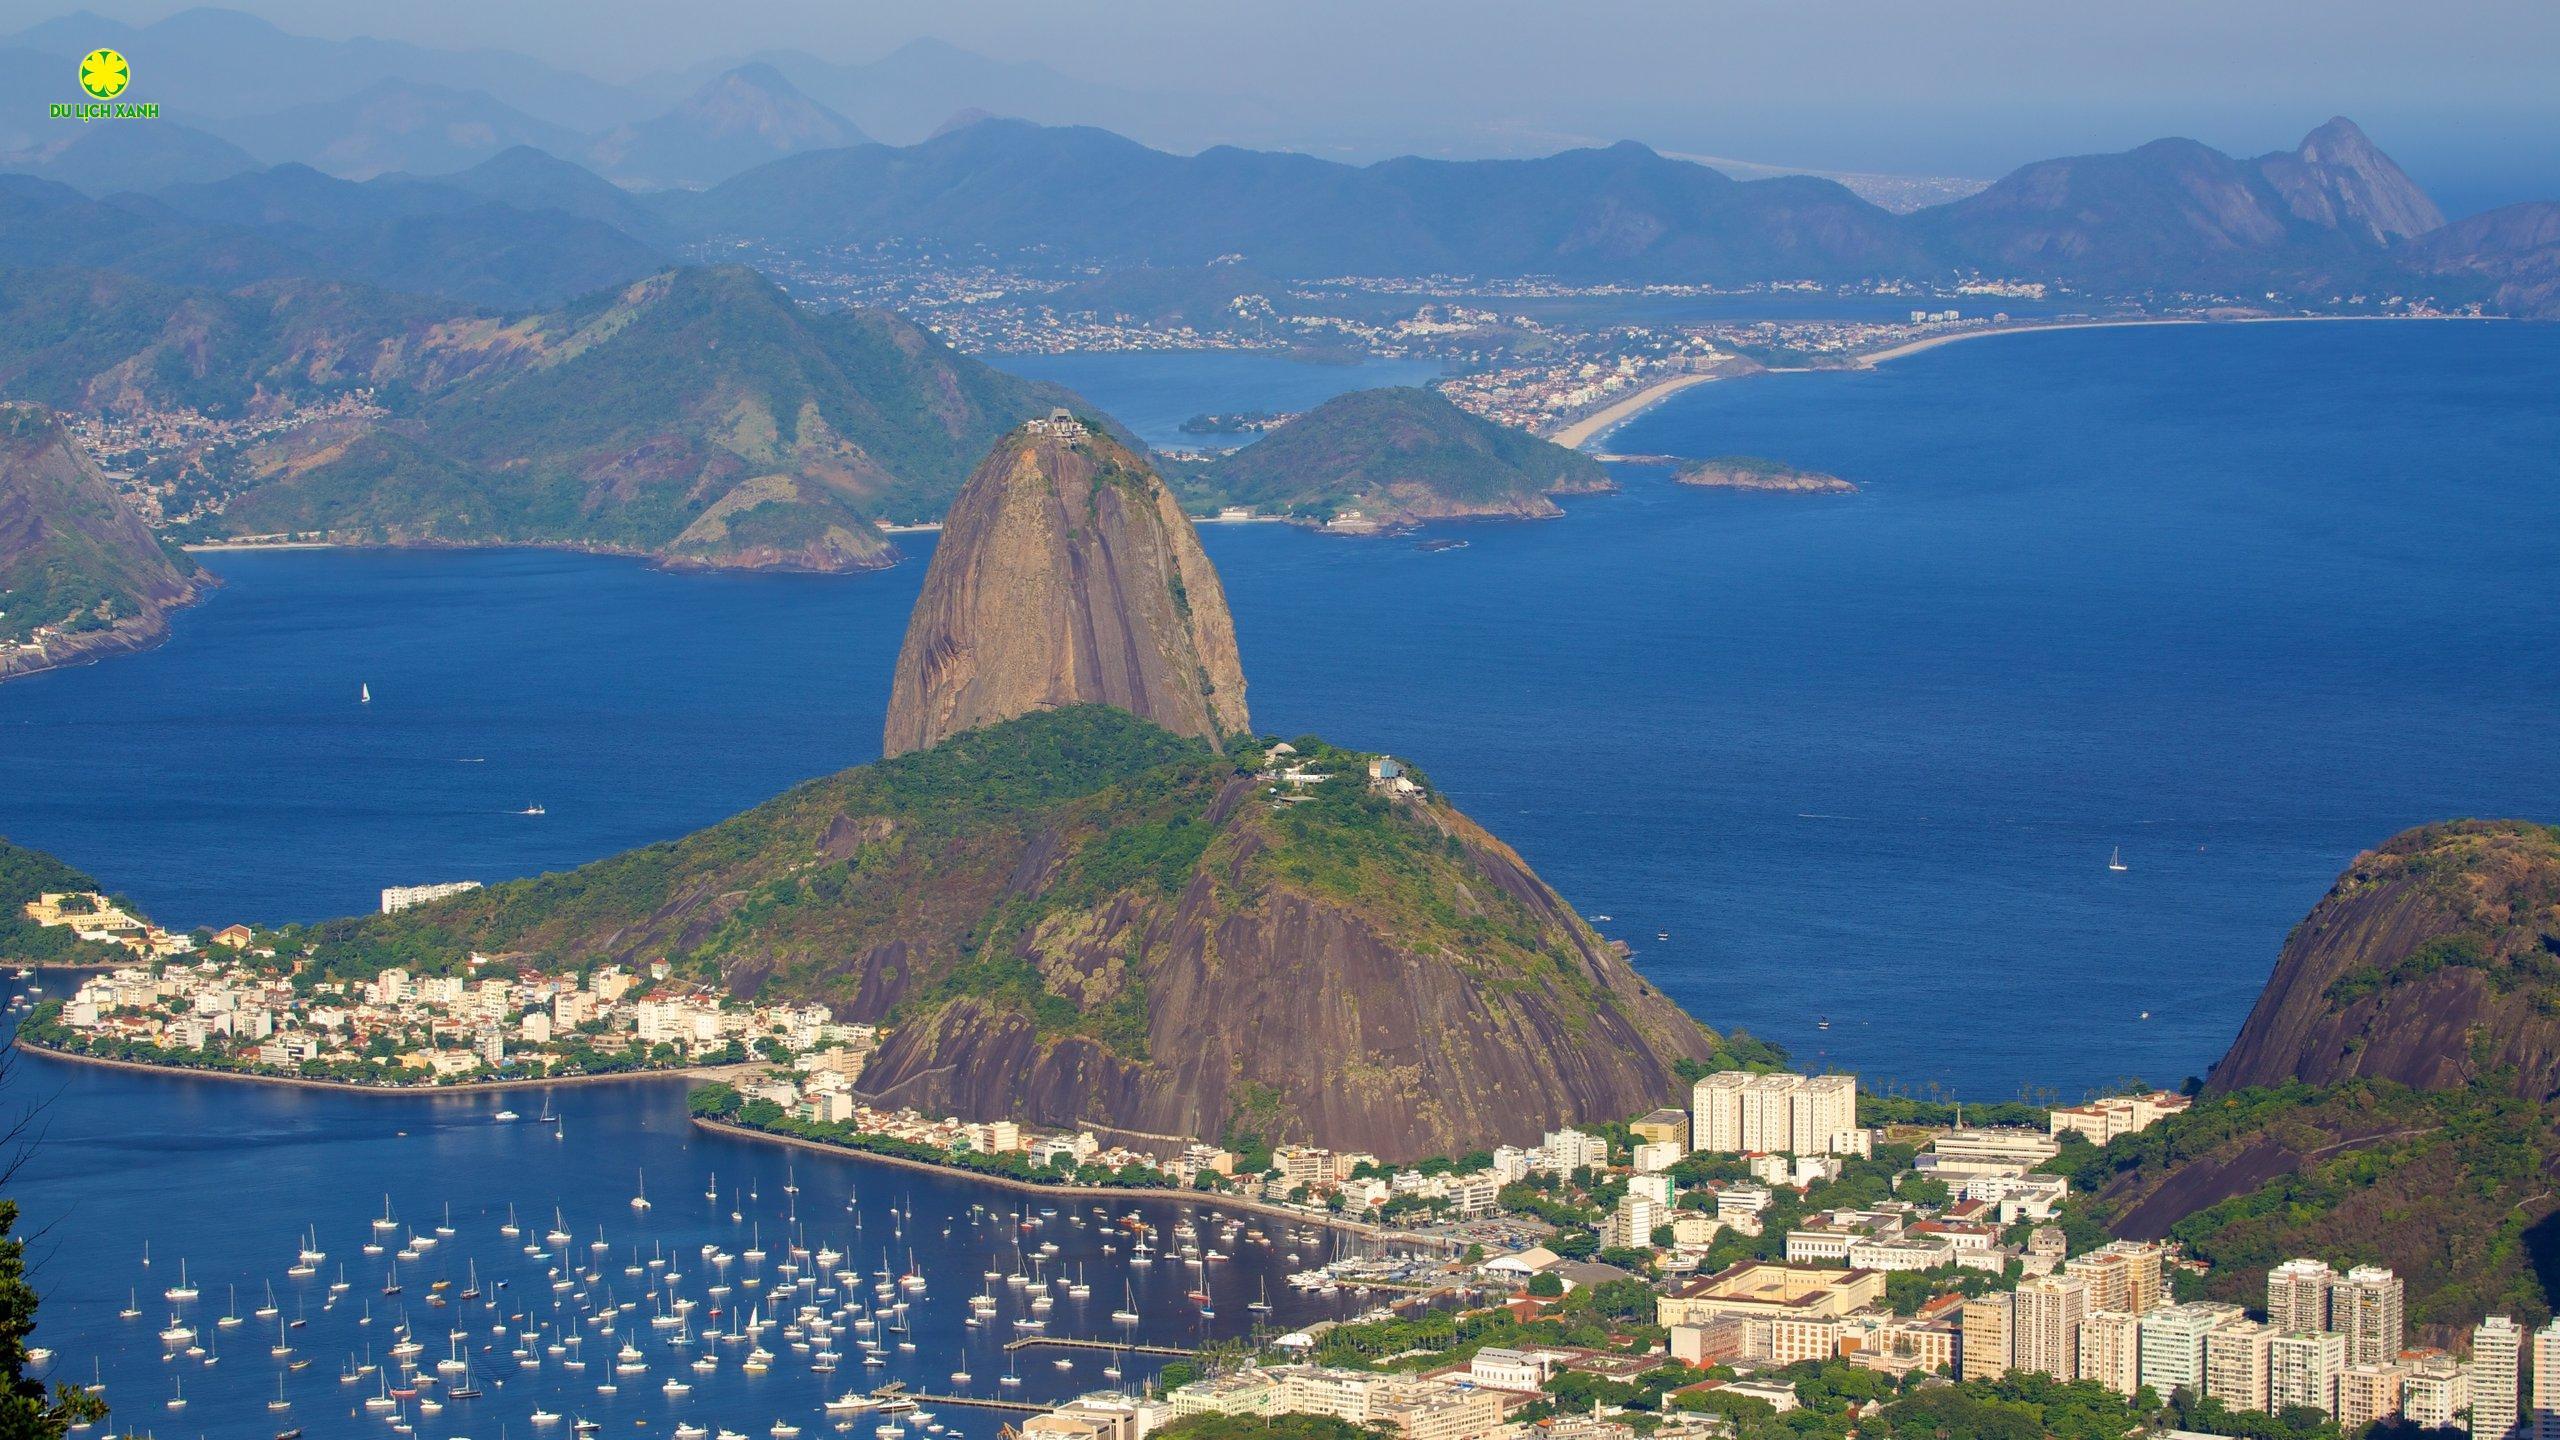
(2463, 93)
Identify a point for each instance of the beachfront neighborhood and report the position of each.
(229, 1001)
(1784, 1244)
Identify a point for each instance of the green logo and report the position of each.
(104, 73)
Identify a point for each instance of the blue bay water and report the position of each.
(2238, 600)
(140, 1175)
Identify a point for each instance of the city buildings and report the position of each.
(1736, 1113)
(2101, 1121)
(2045, 1330)
(2173, 1344)
(396, 898)
(2497, 1361)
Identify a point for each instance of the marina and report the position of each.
(418, 1267)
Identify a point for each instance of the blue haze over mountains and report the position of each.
(484, 177)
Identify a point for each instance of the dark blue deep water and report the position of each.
(2238, 600)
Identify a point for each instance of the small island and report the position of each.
(1752, 472)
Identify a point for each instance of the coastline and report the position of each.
(1583, 432)
(1591, 427)
(467, 1087)
(1873, 358)
(1264, 1208)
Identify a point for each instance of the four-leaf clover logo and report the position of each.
(104, 73)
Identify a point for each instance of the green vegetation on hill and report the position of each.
(2458, 1191)
(25, 874)
(697, 415)
(73, 556)
(1396, 456)
(1083, 902)
(919, 851)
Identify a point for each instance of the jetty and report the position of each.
(981, 1402)
(1035, 1342)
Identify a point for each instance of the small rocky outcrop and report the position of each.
(1750, 472)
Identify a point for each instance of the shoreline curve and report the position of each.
(1031, 1187)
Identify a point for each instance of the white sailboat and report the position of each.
(2115, 860)
(364, 694)
(640, 1198)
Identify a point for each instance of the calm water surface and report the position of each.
(226, 1177)
(2238, 600)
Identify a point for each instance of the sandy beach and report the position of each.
(1582, 432)
(1931, 342)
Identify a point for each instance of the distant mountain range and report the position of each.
(371, 108)
(2174, 214)
(777, 149)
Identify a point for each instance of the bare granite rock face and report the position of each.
(1343, 1023)
(1066, 575)
(2433, 962)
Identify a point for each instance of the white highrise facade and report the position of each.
(2544, 1423)
(2298, 1295)
(2364, 1306)
(2302, 1369)
(1733, 1113)
(2497, 1353)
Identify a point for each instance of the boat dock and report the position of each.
(982, 1402)
(1034, 1342)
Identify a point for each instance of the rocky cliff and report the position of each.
(2433, 962)
(1066, 575)
(80, 574)
(1078, 919)
(2390, 1099)
(2338, 179)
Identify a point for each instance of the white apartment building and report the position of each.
(2173, 1339)
(1733, 1113)
(1564, 1151)
(2302, 1369)
(2045, 1331)
(2546, 1382)
(2365, 1306)
(2298, 1295)
(2497, 1355)
(2436, 1393)
(2236, 1358)
(2111, 1350)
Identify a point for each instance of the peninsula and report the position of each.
(81, 575)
